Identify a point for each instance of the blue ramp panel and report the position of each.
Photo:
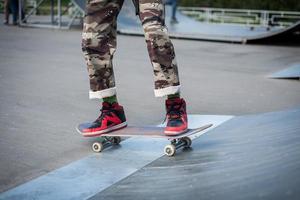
(189, 28)
(292, 72)
(247, 158)
(86, 177)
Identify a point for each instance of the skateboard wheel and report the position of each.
(187, 141)
(97, 147)
(170, 150)
(116, 140)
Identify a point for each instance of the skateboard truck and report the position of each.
(184, 142)
(169, 149)
(107, 142)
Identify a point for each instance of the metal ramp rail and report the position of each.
(57, 20)
(262, 18)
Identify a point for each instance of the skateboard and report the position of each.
(176, 142)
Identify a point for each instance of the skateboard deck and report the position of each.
(149, 131)
(177, 141)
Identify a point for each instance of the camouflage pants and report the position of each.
(99, 45)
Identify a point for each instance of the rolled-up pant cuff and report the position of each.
(103, 93)
(167, 91)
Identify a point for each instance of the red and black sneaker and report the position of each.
(112, 118)
(176, 118)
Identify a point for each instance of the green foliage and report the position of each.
(285, 5)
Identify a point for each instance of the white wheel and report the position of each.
(170, 150)
(187, 141)
(116, 140)
(97, 147)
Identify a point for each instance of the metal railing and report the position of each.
(263, 18)
(55, 17)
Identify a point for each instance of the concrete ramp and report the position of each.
(248, 157)
(189, 28)
(292, 72)
(93, 174)
(287, 35)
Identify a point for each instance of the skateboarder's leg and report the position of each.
(160, 48)
(98, 46)
(162, 56)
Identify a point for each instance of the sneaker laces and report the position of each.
(174, 112)
(104, 111)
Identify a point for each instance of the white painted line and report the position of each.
(291, 72)
(216, 120)
(86, 177)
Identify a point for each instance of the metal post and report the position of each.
(265, 22)
(222, 16)
(207, 11)
(20, 12)
(52, 11)
(59, 13)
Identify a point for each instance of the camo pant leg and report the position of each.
(99, 45)
(160, 48)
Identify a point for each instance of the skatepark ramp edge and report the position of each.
(189, 28)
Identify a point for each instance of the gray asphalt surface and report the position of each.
(44, 91)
